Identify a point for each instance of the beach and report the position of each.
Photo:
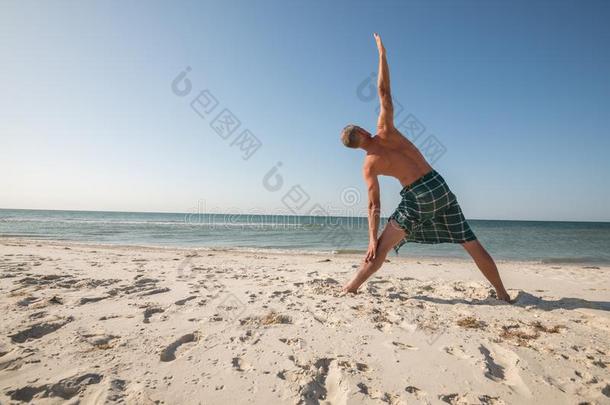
(266, 203)
(88, 323)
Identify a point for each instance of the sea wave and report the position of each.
(576, 260)
(241, 224)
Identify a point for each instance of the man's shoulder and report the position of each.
(372, 158)
(388, 131)
(371, 164)
(368, 165)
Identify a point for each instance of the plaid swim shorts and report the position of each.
(429, 213)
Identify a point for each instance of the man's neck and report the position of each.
(367, 144)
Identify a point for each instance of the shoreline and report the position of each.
(586, 264)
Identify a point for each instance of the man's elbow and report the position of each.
(385, 98)
(374, 206)
(383, 91)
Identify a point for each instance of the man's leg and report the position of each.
(391, 235)
(486, 264)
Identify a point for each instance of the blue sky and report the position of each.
(518, 93)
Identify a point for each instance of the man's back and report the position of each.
(394, 155)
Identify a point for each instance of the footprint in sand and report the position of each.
(330, 381)
(142, 286)
(14, 359)
(99, 340)
(28, 300)
(378, 395)
(321, 381)
(116, 390)
(169, 353)
(150, 311)
(403, 346)
(493, 370)
(337, 386)
(419, 394)
(470, 398)
(86, 300)
(501, 365)
(65, 388)
(401, 296)
(185, 300)
(295, 342)
(240, 365)
(39, 330)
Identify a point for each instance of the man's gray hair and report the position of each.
(349, 136)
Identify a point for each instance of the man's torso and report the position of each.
(395, 156)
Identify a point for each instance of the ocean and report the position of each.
(544, 241)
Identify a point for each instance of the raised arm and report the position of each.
(386, 113)
(374, 209)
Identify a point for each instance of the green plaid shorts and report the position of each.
(429, 213)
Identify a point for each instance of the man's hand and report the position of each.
(379, 43)
(372, 251)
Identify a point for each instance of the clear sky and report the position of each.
(517, 93)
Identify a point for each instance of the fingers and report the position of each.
(379, 42)
(370, 255)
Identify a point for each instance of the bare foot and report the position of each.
(503, 296)
(349, 290)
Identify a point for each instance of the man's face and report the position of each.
(363, 135)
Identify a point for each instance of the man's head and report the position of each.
(353, 136)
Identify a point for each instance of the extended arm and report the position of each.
(386, 113)
(374, 209)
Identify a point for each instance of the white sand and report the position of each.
(96, 324)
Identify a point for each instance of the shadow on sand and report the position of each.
(525, 300)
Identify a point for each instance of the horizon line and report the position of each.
(292, 215)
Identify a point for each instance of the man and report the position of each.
(429, 211)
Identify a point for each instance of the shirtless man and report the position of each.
(429, 211)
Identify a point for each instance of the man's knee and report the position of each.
(471, 245)
(476, 249)
(382, 251)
